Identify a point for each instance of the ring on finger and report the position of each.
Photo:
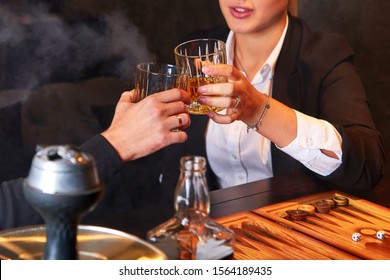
(237, 99)
(180, 127)
(180, 122)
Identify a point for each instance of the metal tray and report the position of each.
(94, 243)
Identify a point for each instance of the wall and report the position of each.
(45, 41)
(163, 22)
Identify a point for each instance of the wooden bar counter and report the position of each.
(260, 213)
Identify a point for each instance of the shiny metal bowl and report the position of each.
(94, 243)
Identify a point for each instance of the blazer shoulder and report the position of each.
(324, 46)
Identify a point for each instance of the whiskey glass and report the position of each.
(152, 77)
(193, 55)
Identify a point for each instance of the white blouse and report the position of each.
(238, 157)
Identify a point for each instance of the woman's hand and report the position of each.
(139, 129)
(279, 124)
(241, 99)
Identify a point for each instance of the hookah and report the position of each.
(62, 186)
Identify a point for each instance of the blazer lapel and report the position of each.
(287, 89)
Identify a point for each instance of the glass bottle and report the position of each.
(191, 233)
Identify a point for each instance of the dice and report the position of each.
(356, 237)
(380, 234)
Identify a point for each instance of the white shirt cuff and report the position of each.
(312, 136)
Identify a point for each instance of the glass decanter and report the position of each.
(191, 234)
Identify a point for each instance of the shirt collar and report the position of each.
(266, 72)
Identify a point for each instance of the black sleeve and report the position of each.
(342, 101)
(346, 107)
(106, 158)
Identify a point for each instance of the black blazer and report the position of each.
(315, 75)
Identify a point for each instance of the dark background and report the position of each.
(67, 41)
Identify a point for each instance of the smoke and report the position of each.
(37, 47)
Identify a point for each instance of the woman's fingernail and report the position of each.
(206, 69)
(201, 99)
(210, 114)
(202, 89)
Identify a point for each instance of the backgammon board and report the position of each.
(260, 238)
(337, 226)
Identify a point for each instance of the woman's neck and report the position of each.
(252, 49)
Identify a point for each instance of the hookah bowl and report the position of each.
(62, 186)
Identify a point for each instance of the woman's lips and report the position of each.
(239, 12)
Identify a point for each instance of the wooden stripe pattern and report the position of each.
(336, 227)
(260, 238)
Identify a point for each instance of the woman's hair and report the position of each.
(293, 7)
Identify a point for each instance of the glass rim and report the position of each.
(182, 71)
(200, 40)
